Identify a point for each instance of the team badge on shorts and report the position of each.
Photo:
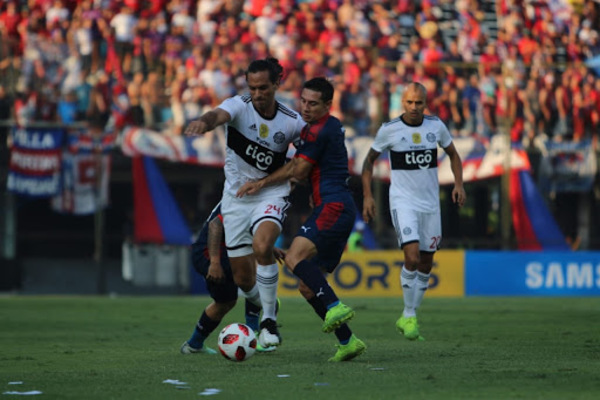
(279, 137)
(406, 231)
(263, 131)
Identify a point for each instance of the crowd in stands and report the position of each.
(519, 65)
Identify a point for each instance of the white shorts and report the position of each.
(414, 226)
(241, 217)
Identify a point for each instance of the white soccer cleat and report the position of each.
(269, 334)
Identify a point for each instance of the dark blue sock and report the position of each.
(312, 276)
(204, 327)
(343, 333)
(252, 313)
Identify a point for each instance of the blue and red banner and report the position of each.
(535, 227)
(157, 217)
(35, 160)
(85, 173)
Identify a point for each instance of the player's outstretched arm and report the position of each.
(367, 177)
(207, 122)
(459, 196)
(297, 169)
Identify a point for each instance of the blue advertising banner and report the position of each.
(498, 273)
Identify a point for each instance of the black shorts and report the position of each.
(123, 48)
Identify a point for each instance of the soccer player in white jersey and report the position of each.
(259, 132)
(412, 141)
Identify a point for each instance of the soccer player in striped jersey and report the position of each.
(412, 141)
(259, 131)
(318, 246)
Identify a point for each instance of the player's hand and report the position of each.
(195, 128)
(215, 273)
(279, 254)
(459, 196)
(368, 208)
(249, 188)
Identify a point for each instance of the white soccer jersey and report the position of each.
(413, 161)
(257, 146)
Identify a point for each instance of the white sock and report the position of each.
(421, 285)
(407, 280)
(266, 280)
(253, 295)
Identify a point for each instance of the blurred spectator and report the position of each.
(548, 103)
(124, 24)
(98, 111)
(390, 49)
(10, 19)
(56, 15)
(527, 46)
(83, 93)
(471, 105)
(430, 57)
(6, 104)
(487, 85)
(134, 92)
(564, 106)
(175, 45)
(182, 18)
(67, 108)
(280, 44)
(456, 123)
(489, 61)
(532, 125)
(152, 92)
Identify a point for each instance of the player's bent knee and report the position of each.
(412, 262)
(263, 252)
(244, 282)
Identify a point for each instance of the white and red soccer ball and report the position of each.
(237, 342)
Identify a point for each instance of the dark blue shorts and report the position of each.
(329, 227)
(221, 293)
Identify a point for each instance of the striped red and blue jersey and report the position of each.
(323, 145)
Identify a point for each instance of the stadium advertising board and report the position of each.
(532, 273)
(377, 274)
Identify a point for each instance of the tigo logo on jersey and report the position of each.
(411, 160)
(422, 160)
(263, 160)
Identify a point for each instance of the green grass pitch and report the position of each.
(475, 348)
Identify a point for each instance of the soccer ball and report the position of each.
(237, 342)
